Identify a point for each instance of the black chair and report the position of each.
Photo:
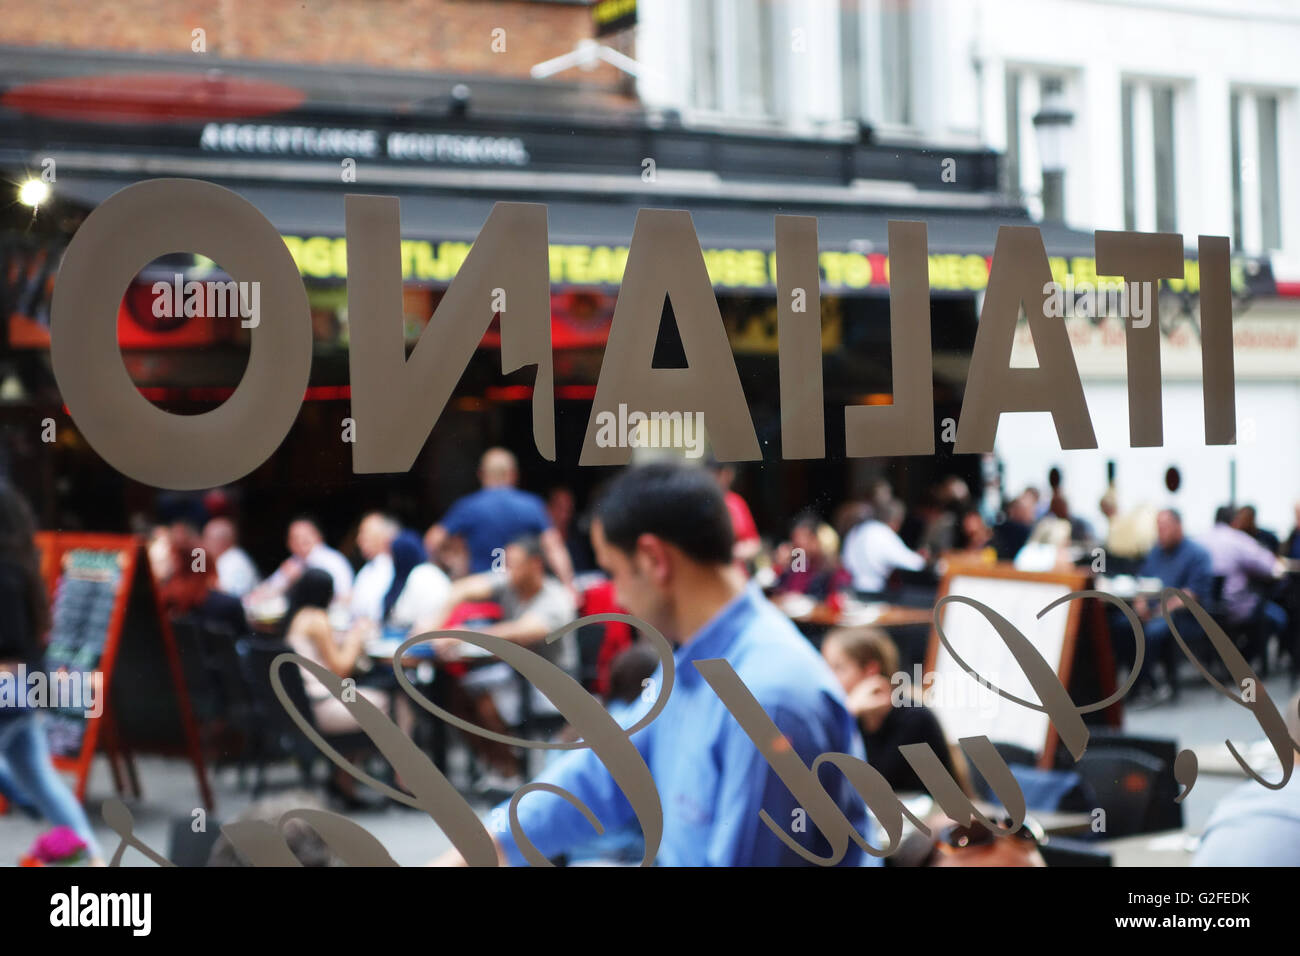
(1065, 851)
(1126, 781)
(1250, 636)
(1166, 814)
(1015, 754)
(186, 847)
(280, 738)
(218, 691)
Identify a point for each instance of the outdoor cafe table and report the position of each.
(1215, 760)
(1168, 848)
(1053, 822)
(878, 615)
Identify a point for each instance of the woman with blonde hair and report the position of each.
(865, 662)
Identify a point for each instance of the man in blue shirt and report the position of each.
(496, 514)
(663, 533)
(1179, 563)
(1254, 825)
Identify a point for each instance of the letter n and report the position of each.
(395, 400)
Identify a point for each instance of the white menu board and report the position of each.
(964, 706)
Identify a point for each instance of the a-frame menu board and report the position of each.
(109, 629)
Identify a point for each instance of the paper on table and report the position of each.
(1174, 841)
(866, 614)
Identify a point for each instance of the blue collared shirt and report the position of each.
(711, 778)
(1187, 566)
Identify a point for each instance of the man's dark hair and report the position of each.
(809, 520)
(1225, 515)
(681, 505)
(530, 544)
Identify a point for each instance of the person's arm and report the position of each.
(1259, 560)
(458, 519)
(277, 583)
(748, 544)
(557, 556)
(526, 629)
(894, 553)
(851, 553)
(434, 539)
(551, 822)
(342, 660)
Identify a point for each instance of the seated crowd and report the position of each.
(502, 562)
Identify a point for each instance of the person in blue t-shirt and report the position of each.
(663, 533)
(496, 514)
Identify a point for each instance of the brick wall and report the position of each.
(449, 36)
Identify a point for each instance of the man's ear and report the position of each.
(653, 555)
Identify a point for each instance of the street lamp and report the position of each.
(1052, 127)
(33, 193)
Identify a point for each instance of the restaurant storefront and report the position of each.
(295, 141)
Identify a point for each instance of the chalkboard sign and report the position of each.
(89, 590)
(108, 626)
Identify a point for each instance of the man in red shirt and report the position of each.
(748, 543)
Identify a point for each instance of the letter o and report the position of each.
(128, 230)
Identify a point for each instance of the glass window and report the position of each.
(1012, 161)
(1270, 196)
(1130, 167)
(896, 61)
(1234, 124)
(1162, 115)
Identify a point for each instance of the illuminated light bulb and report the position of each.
(33, 193)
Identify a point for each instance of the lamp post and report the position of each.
(1052, 127)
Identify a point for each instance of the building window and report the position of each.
(1012, 168)
(737, 66)
(704, 56)
(1130, 167)
(756, 93)
(1256, 194)
(1162, 115)
(1039, 122)
(852, 101)
(876, 61)
(1148, 140)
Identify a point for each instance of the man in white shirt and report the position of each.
(873, 550)
(375, 539)
(307, 550)
(236, 573)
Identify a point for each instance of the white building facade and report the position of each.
(1184, 115)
